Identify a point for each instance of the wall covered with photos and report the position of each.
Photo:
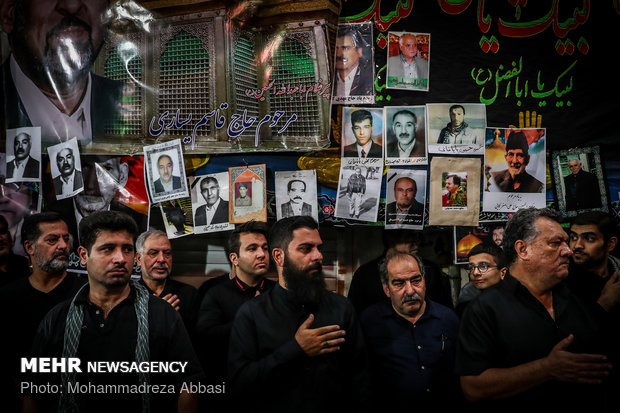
(378, 113)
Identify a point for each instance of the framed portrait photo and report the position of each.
(579, 181)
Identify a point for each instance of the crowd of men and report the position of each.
(536, 325)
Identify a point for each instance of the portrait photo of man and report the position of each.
(581, 187)
(215, 211)
(515, 177)
(353, 62)
(166, 181)
(69, 179)
(455, 192)
(244, 195)
(23, 166)
(405, 132)
(48, 78)
(405, 209)
(457, 131)
(409, 67)
(296, 191)
(361, 123)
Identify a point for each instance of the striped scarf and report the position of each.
(75, 318)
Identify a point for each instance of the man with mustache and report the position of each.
(215, 211)
(299, 337)
(353, 74)
(405, 144)
(166, 181)
(296, 189)
(411, 339)
(405, 210)
(527, 341)
(23, 165)
(457, 131)
(115, 319)
(47, 78)
(154, 256)
(70, 179)
(515, 178)
(25, 301)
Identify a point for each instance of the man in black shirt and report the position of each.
(12, 266)
(249, 257)
(298, 338)
(24, 302)
(154, 256)
(112, 320)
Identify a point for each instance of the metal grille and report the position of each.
(245, 77)
(124, 64)
(183, 82)
(293, 66)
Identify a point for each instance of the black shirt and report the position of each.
(188, 305)
(17, 267)
(114, 339)
(268, 370)
(215, 318)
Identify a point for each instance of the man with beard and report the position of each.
(457, 131)
(516, 178)
(411, 341)
(70, 179)
(298, 338)
(404, 144)
(22, 165)
(154, 256)
(47, 78)
(113, 319)
(25, 301)
(248, 253)
(527, 341)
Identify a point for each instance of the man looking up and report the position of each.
(298, 338)
(154, 256)
(113, 319)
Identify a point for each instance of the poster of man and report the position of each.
(362, 135)
(408, 62)
(358, 194)
(405, 198)
(165, 171)
(579, 180)
(514, 169)
(405, 135)
(66, 169)
(454, 194)
(18, 201)
(296, 194)
(456, 128)
(354, 64)
(23, 157)
(247, 194)
(210, 202)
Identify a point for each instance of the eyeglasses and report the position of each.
(482, 267)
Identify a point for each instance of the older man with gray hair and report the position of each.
(528, 341)
(154, 256)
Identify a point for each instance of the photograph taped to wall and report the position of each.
(514, 169)
(354, 73)
(362, 136)
(23, 155)
(405, 198)
(148, 75)
(296, 194)
(66, 169)
(165, 171)
(248, 192)
(579, 181)
(466, 238)
(442, 205)
(405, 135)
(19, 200)
(359, 190)
(210, 202)
(456, 128)
(408, 62)
(178, 218)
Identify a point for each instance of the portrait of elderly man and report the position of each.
(408, 64)
(405, 209)
(23, 165)
(582, 189)
(215, 211)
(70, 179)
(403, 143)
(47, 77)
(515, 178)
(166, 181)
(354, 76)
